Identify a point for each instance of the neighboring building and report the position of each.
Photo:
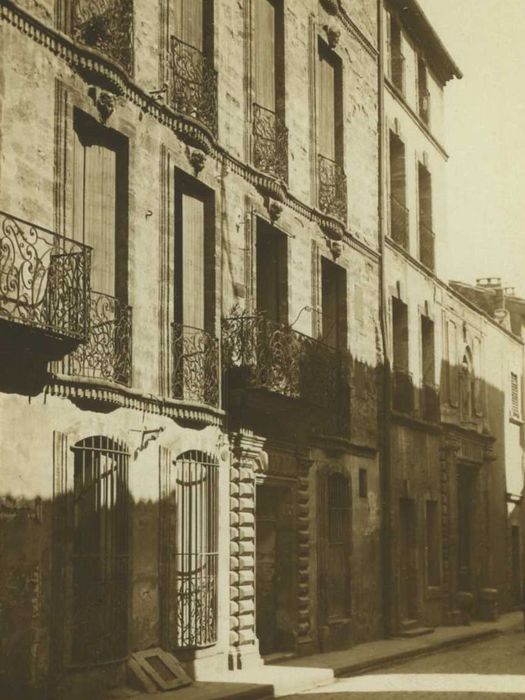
(449, 435)
(189, 305)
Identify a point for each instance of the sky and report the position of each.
(485, 137)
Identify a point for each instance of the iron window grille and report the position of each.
(44, 279)
(426, 246)
(338, 531)
(100, 581)
(195, 502)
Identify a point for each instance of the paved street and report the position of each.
(486, 670)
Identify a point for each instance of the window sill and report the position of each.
(433, 593)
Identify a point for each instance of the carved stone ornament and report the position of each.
(332, 36)
(274, 209)
(103, 101)
(196, 158)
(335, 247)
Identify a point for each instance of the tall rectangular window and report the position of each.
(432, 548)
(515, 395)
(426, 233)
(100, 195)
(398, 210)
(334, 310)
(194, 255)
(272, 272)
(453, 364)
(423, 91)
(329, 104)
(400, 335)
(428, 351)
(270, 136)
(397, 60)
(269, 54)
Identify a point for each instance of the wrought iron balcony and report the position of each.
(398, 223)
(332, 188)
(107, 353)
(44, 282)
(430, 409)
(270, 143)
(196, 365)
(193, 84)
(402, 391)
(105, 25)
(279, 359)
(426, 246)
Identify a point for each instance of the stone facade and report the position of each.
(199, 462)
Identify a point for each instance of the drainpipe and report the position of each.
(384, 409)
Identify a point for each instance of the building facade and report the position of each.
(189, 305)
(241, 414)
(449, 434)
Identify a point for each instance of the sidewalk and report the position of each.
(299, 674)
(385, 652)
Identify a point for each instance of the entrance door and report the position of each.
(407, 559)
(465, 504)
(275, 562)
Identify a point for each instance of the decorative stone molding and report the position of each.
(246, 452)
(196, 158)
(274, 209)
(335, 247)
(332, 35)
(104, 102)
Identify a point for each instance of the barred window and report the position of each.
(338, 531)
(515, 395)
(196, 506)
(100, 550)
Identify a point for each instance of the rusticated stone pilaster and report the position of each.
(244, 650)
(304, 637)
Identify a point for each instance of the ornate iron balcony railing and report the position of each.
(44, 279)
(402, 391)
(105, 25)
(281, 360)
(398, 222)
(107, 353)
(192, 84)
(430, 409)
(426, 246)
(270, 143)
(196, 365)
(332, 188)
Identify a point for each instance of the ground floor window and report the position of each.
(100, 550)
(195, 496)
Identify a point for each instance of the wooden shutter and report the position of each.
(264, 50)
(515, 395)
(397, 169)
(400, 335)
(325, 105)
(187, 21)
(425, 196)
(333, 304)
(428, 350)
(94, 208)
(193, 286)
